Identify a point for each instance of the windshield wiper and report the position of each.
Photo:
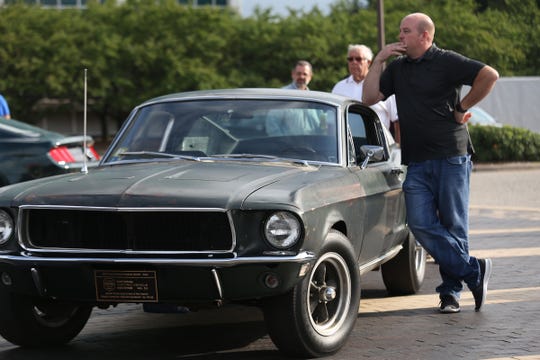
(261, 156)
(154, 154)
(247, 156)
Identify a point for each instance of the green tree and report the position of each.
(142, 49)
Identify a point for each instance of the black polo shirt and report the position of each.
(427, 90)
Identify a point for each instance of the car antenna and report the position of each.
(84, 169)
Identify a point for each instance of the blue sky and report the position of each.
(280, 6)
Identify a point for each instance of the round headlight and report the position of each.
(6, 227)
(282, 229)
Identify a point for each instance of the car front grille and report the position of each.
(138, 230)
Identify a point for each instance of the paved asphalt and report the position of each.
(505, 226)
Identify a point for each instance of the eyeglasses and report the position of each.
(355, 58)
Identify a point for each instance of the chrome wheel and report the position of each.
(420, 260)
(315, 318)
(329, 294)
(404, 274)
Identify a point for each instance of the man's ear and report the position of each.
(425, 36)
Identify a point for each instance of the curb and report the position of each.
(533, 165)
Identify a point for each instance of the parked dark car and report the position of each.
(28, 152)
(275, 198)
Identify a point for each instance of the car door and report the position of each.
(380, 181)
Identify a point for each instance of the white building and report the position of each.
(514, 101)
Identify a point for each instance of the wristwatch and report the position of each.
(460, 109)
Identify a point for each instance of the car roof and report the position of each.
(257, 93)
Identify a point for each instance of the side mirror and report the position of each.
(369, 152)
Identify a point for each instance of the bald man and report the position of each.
(436, 146)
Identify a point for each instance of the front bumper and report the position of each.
(163, 280)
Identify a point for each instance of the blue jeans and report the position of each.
(437, 201)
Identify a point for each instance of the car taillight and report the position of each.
(64, 155)
(61, 155)
(92, 153)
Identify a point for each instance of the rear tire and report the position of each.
(316, 317)
(404, 274)
(29, 322)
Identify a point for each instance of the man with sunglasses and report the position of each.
(359, 59)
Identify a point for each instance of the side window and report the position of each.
(357, 136)
(363, 131)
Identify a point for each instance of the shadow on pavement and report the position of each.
(223, 341)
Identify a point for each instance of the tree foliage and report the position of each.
(142, 49)
(494, 144)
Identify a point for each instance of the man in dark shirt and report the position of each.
(436, 147)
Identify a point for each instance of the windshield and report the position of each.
(297, 130)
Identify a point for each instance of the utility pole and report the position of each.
(380, 23)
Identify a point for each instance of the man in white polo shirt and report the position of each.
(359, 59)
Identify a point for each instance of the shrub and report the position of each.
(494, 144)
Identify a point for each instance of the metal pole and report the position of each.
(380, 23)
(84, 169)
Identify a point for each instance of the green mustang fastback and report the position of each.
(268, 197)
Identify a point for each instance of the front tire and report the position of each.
(316, 317)
(404, 274)
(29, 322)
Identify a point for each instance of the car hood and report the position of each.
(220, 184)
